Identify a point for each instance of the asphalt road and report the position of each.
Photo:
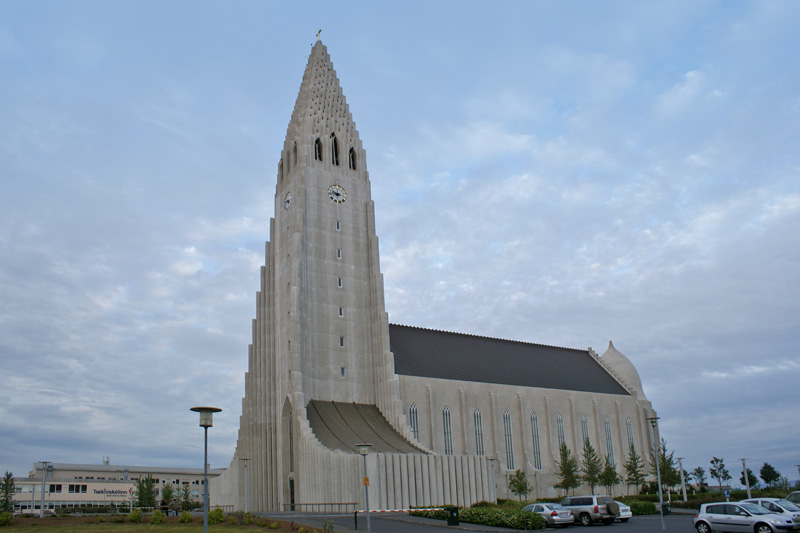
(402, 523)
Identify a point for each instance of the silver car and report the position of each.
(744, 517)
(777, 506)
(554, 513)
(625, 513)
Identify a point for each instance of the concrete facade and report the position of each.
(321, 333)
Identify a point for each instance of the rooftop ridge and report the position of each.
(492, 338)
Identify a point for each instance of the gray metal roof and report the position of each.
(441, 354)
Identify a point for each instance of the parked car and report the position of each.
(625, 513)
(590, 509)
(794, 497)
(777, 506)
(735, 517)
(554, 513)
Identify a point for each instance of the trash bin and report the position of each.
(452, 516)
(666, 509)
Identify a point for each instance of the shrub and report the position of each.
(6, 518)
(327, 525)
(186, 517)
(118, 519)
(273, 525)
(639, 507)
(492, 516)
(157, 517)
(217, 516)
(136, 516)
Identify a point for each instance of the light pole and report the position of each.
(206, 421)
(654, 423)
(683, 482)
(44, 478)
(746, 477)
(363, 449)
(244, 461)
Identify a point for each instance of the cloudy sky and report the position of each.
(566, 173)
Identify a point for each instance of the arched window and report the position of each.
(630, 432)
(560, 425)
(609, 442)
(318, 150)
(537, 453)
(448, 432)
(334, 150)
(584, 429)
(413, 417)
(352, 159)
(478, 432)
(509, 443)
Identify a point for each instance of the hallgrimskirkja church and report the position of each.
(446, 419)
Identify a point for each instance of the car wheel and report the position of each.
(763, 528)
(586, 520)
(702, 527)
(624, 519)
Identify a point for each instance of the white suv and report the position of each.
(590, 509)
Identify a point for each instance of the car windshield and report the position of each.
(789, 506)
(754, 509)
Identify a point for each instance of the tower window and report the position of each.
(338, 225)
(338, 253)
(334, 150)
(341, 371)
(509, 442)
(318, 150)
(584, 428)
(341, 311)
(294, 154)
(560, 426)
(448, 432)
(609, 442)
(476, 415)
(413, 419)
(352, 159)
(537, 453)
(339, 282)
(341, 341)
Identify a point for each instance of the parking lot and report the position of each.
(402, 523)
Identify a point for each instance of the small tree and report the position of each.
(699, 474)
(145, 491)
(7, 490)
(769, 475)
(186, 498)
(751, 477)
(670, 476)
(167, 495)
(718, 471)
(567, 470)
(519, 485)
(609, 477)
(591, 466)
(634, 469)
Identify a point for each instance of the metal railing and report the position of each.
(322, 507)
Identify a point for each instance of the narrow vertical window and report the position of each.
(413, 419)
(352, 159)
(338, 225)
(341, 370)
(341, 311)
(560, 425)
(334, 150)
(448, 432)
(318, 150)
(584, 429)
(609, 442)
(341, 341)
(630, 432)
(338, 253)
(339, 282)
(478, 432)
(509, 443)
(294, 154)
(537, 452)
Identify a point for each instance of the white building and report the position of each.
(447, 414)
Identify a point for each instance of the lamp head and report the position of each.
(363, 447)
(206, 415)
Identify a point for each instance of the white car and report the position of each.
(625, 513)
(777, 506)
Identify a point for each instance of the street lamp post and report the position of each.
(654, 423)
(244, 461)
(683, 481)
(363, 449)
(745, 476)
(44, 478)
(206, 421)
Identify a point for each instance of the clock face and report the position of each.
(337, 193)
(287, 201)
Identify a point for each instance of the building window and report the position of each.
(339, 282)
(334, 150)
(341, 311)
(77, 489)
(560, 425)
(294, 154)
(341, 371)
(54, 488)
(318, 150)
(609, 442)
(352, 159)
(478, 432)
(509, 443)
(448, 432)
(630, 432)
(413, 420)
(338, 225)
(338, 253)
(584, 429)
(341, 341)
(537, 453)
